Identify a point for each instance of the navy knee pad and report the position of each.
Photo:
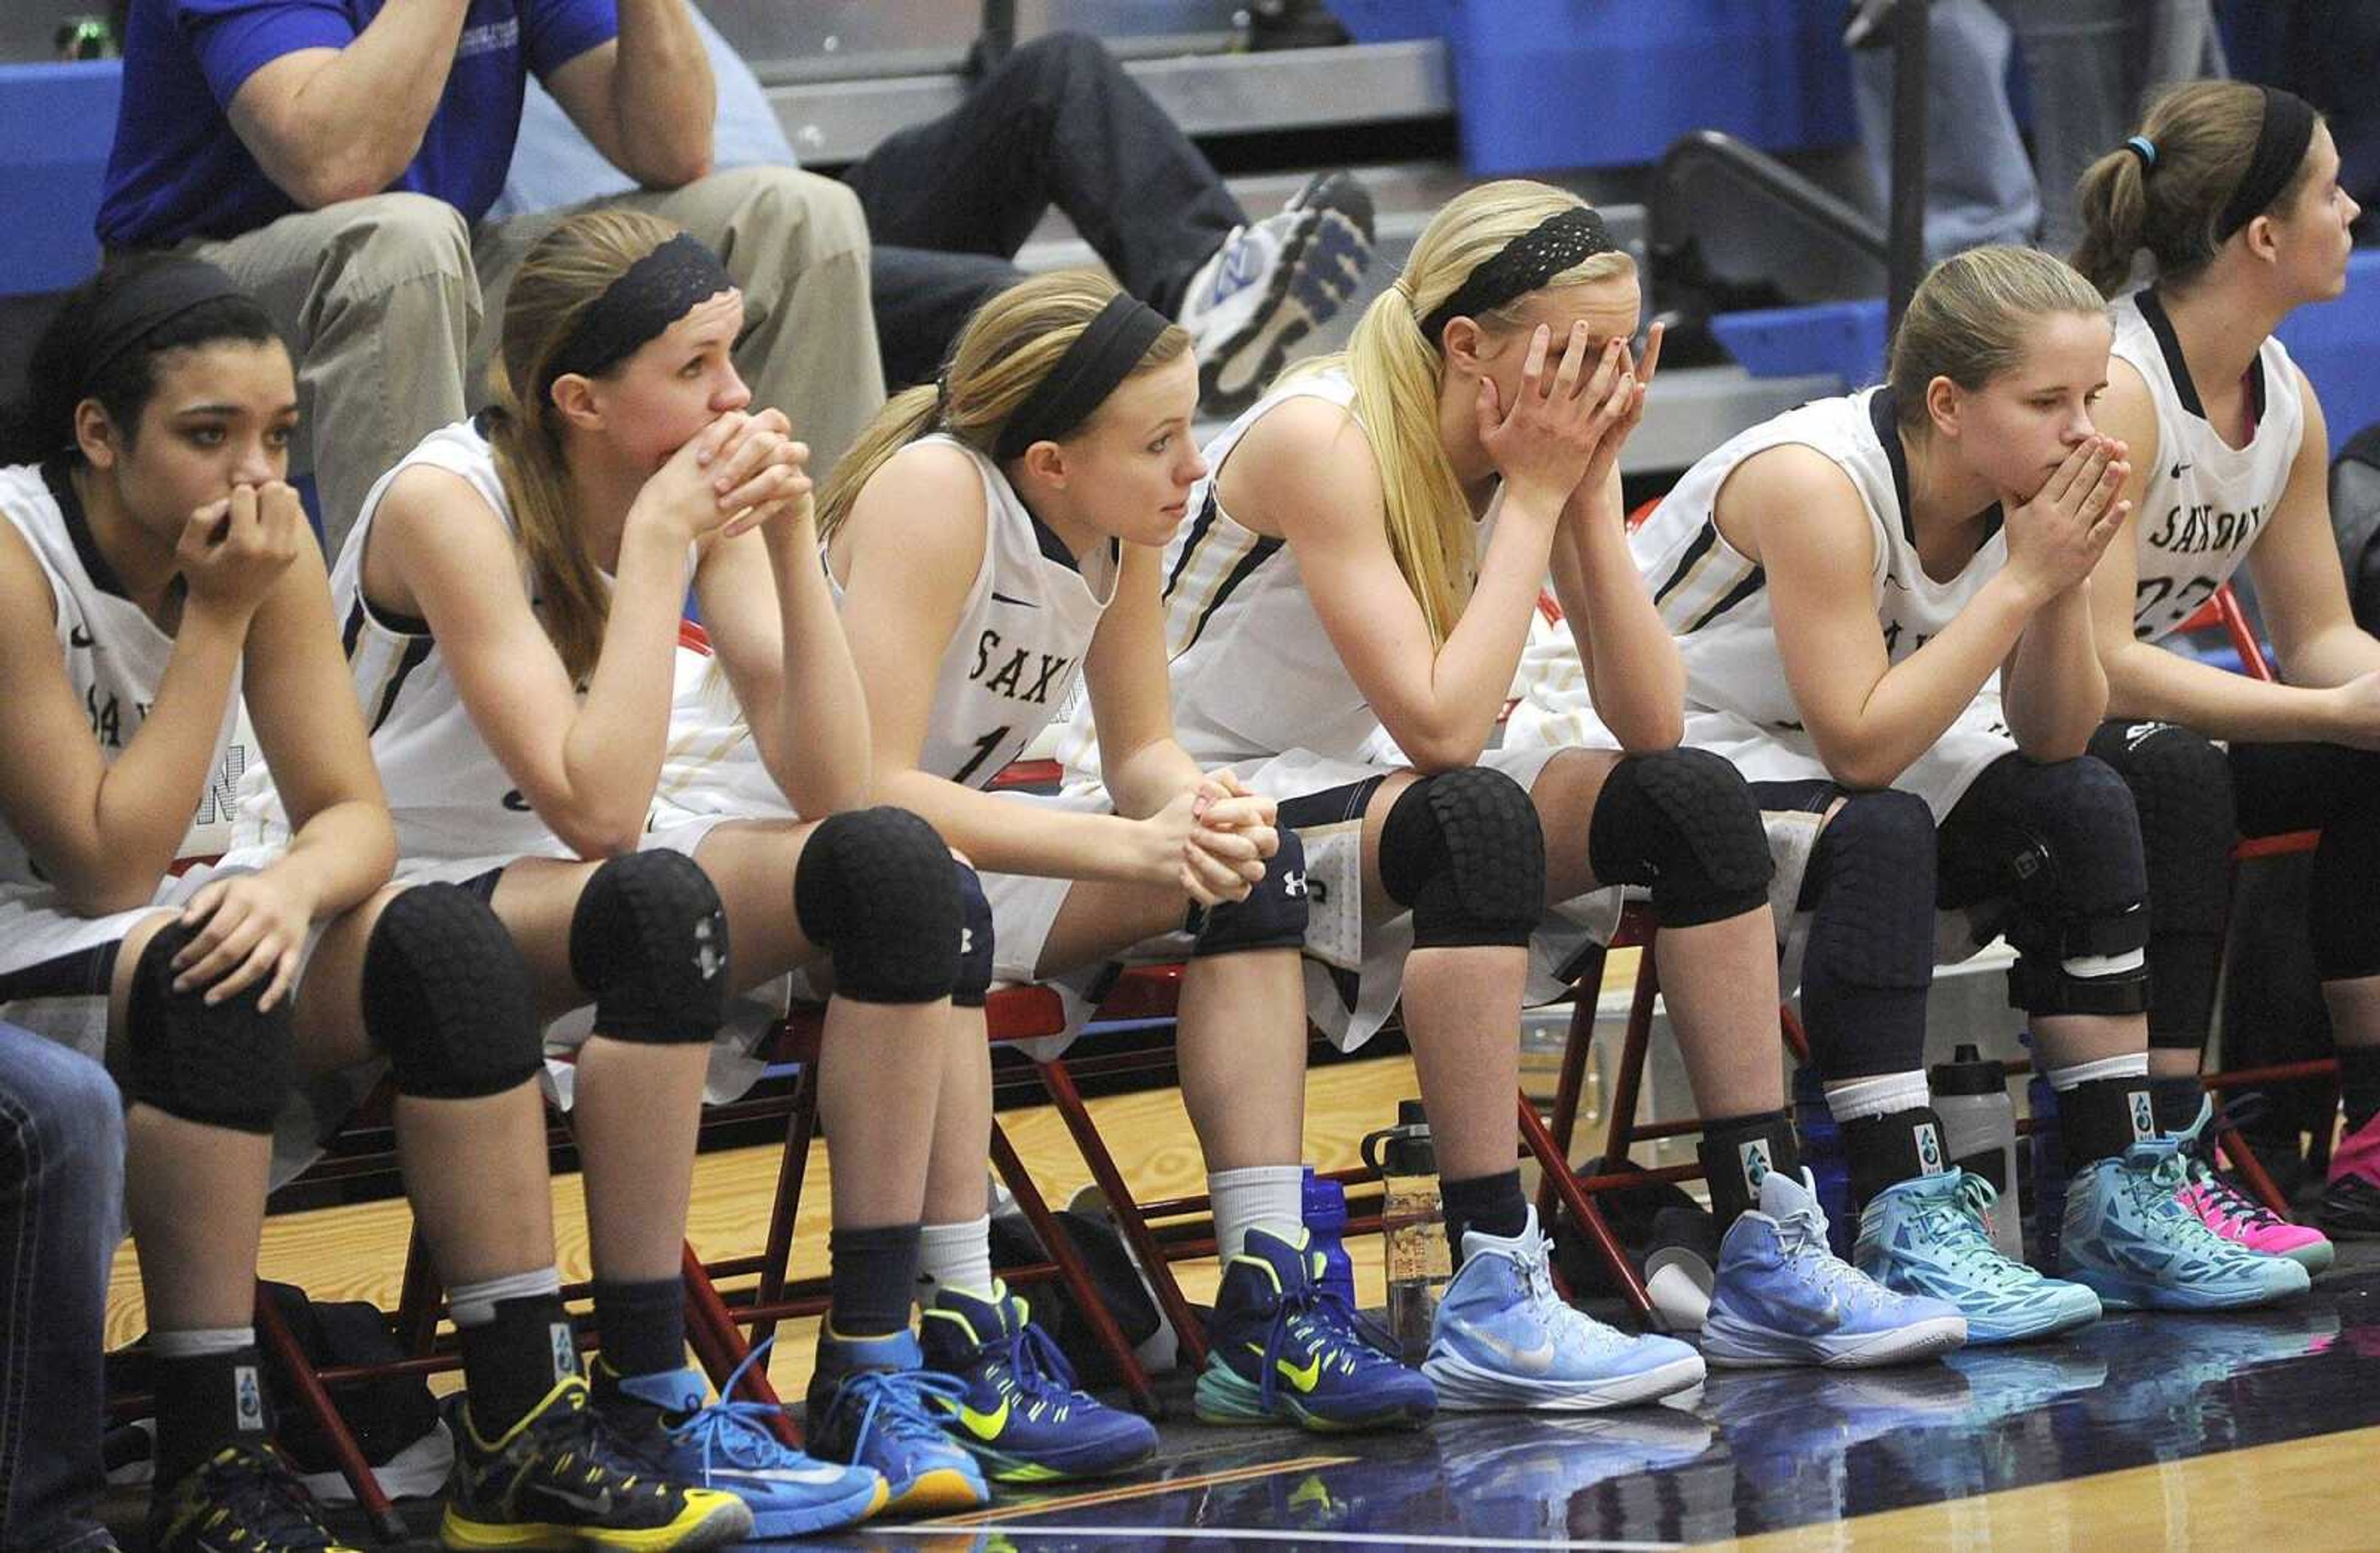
(649, 940)
(1273, 916)
(2182, 787)
(2071, 848)
(1465, 851)
(975, 941)
(225, 1065)
(1684, 823)
(876, 891)
(1870, 955)
(446, 995)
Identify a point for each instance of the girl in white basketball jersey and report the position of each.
(156, 568)
(1345, 610)
(511, 594)
(1882, 604)
(2233, 193)
(995, 538)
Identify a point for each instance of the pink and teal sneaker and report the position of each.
(2220, 1204)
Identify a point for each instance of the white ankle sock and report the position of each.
(1855, 1099)
(2130, 1065)
(198, 1342)
(1267, 1198)
(955, 1257)
(474, 1305)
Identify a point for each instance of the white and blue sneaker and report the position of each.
(1926, 1236)
(872, 1403)
(1503, 1339)
(1270, 285)
(729, 1445)
(1782, 1298)
(2130, 1237)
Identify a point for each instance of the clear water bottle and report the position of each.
(1413, 1227)
(1822, 1154)
(1979, 1135)
(1326, 1221)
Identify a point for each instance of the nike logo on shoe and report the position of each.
(597, 1503)
(1528, 1361)
(986, 1425)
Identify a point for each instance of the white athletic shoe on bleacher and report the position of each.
(1270, 285)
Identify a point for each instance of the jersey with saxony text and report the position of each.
(2205, 502)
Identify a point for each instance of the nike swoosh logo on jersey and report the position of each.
(1000, 598)
(518, 804)
(78, 637)
(2178, 469)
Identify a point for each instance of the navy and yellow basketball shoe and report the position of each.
(1281, 1346)
(246, 1496)
(1021, 1414)
(555, 1479)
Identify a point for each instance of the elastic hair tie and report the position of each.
(2146, 149)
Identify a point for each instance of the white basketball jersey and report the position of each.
(450, 796)
(115, 654)
(1717, 604)
(2206, 501)
(1254, 673)
(1017, 651)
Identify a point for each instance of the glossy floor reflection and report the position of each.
(2142, 1431)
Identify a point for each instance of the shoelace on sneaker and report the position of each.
(1958, 1223)
(2200, 1146)
(1538, 1280)
(894, 1400)
(1036, 1365)
(1806, 1241)
(2158, 1193)
(259, 1486)
(1328, 1309)
(735, 1430)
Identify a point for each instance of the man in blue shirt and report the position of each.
(337, 157)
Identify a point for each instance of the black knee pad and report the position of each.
(876, 891)
(1273, 916)
(228, 1065)
(1870, 955)
(974, 983)
(2080, 928)
(446, 995)
(1464, 850)
(649, 940)
(1684, 823)
(2181, 790)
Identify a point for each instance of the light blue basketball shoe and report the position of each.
(1503, 1339)
(1926, 1236)
(2129, 1236)
(873, 1404)
(729, 1445)
(1782, 1298)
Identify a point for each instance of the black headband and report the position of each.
(650, 296)
(1546, 249)
(155, 296)
(2281, 142)
(1102, 355)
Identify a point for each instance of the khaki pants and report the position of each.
(391, 303)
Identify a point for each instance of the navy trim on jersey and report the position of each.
(2177, 366)
(58, 476)
(1199, 528)
(1686, 563)
(1264, 549)
(416, 651)
(1885, 417)
(1752, 583)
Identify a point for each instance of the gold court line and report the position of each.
(1141, 1490)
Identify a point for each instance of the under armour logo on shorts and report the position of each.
(1292, 885)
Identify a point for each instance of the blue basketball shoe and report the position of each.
(1503, 1339)
(872, 1405)
(1281, 1346)
(1926, 1236)
(1782, 1298)
(1021, 1415)
(666, 1421)
(2130, 1237)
